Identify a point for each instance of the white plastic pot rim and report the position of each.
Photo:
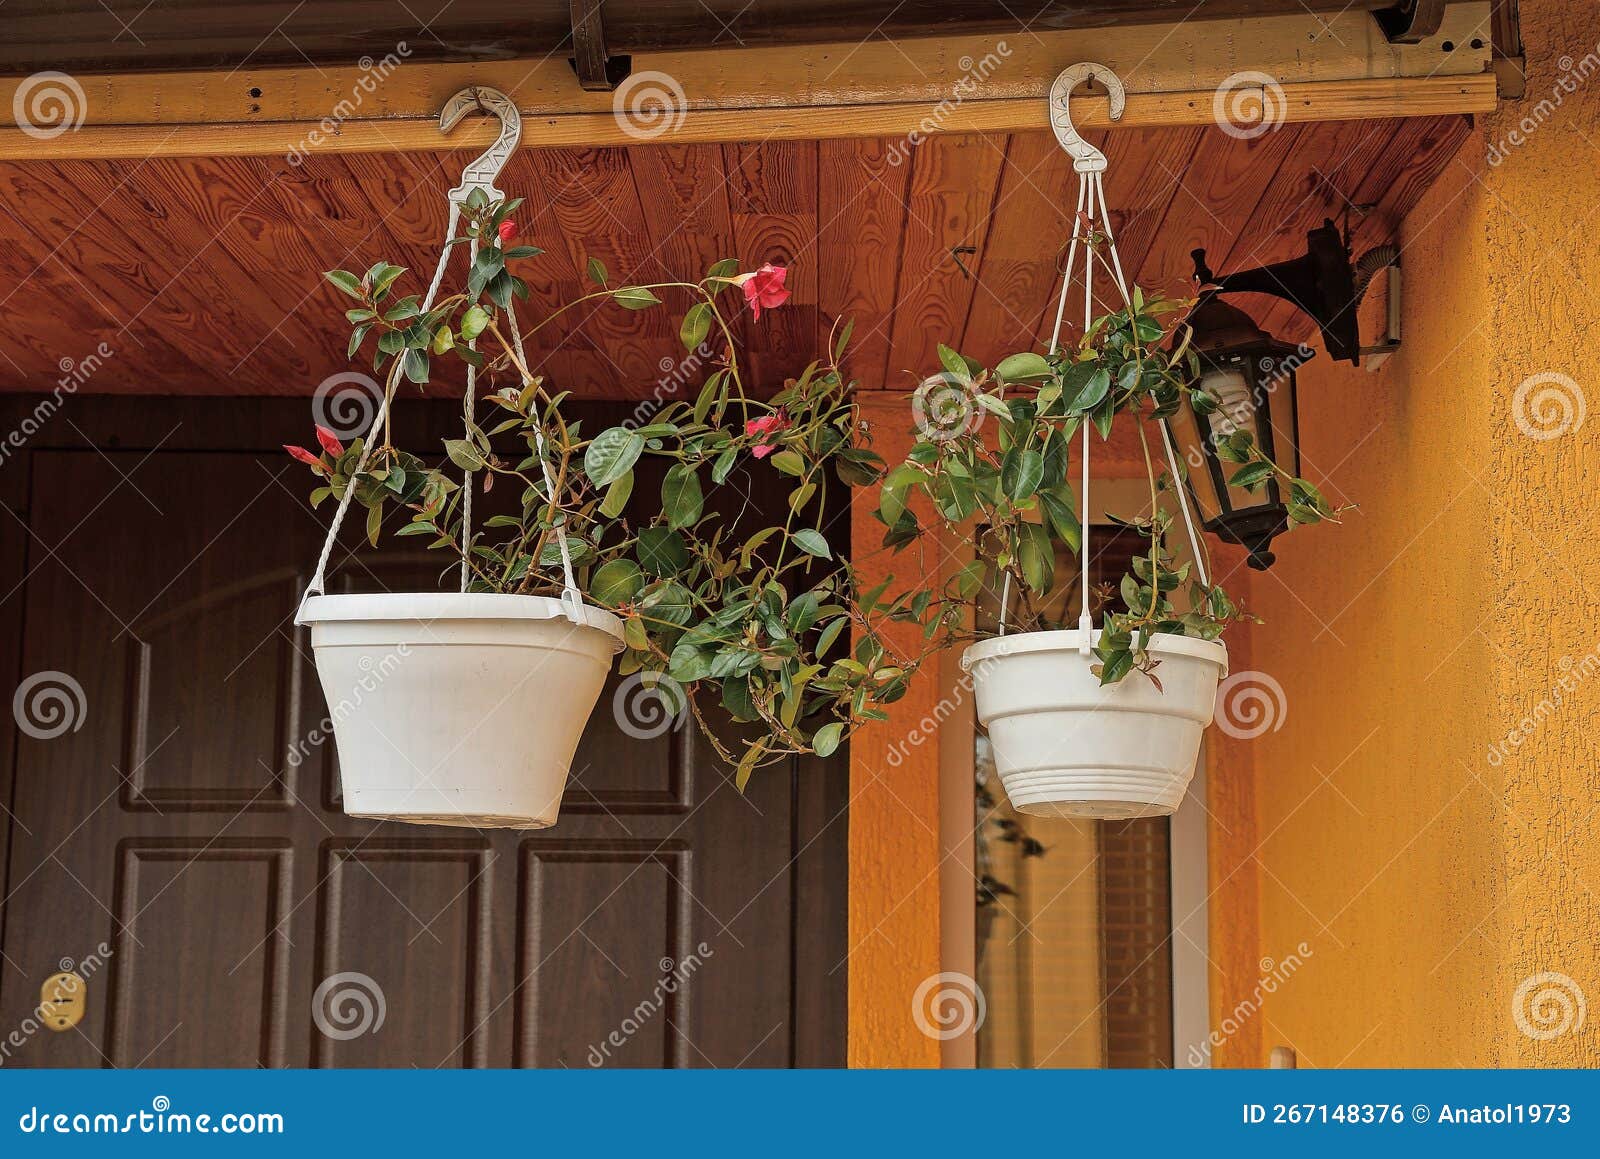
(384, 606)
(1071, 640)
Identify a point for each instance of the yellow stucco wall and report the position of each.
(1430, 881)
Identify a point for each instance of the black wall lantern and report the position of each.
(1252, 374)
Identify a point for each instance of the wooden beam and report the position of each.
(1317, 101)
(1335, 69)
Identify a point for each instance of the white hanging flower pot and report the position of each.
(1066, 746)
(458, 709)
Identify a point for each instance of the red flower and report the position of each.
(303, 455)
(508, 230)
(764, 288)
(768, 425)
(329, 442)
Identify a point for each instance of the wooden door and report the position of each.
(170, 844)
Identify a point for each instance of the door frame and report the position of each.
(1189, 854)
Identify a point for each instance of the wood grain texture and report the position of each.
(204, 275)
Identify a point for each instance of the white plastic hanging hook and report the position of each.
(480, 174)
(1085, 157)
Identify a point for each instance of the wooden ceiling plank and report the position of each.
(861, 213)
(683, 192)
(1145, 169)
(1413, 159)
(125, 271)
(1018, 268)
(950, 194)
(588, 206)
(1215, 198)
(772, 195)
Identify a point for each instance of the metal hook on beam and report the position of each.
(1085, 157)
(481, 173)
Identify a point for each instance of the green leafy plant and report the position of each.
(993, 453)
(756, 619)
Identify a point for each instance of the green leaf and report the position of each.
(696, 325)
(1023, 368)
(724, 465)
(747, 764)
(844, 338)
(1063, 521)
(723, 270)
(1094, 389)
(830, 634)
(597, 271)
(374, 523)
(826, 739)
(617, 495)
(1115, 666)
(443, 340)
(954, 363)
(416, 365)
(464, 454)
(896, 489)
(1021, 473)
(616, 582)
(789, 463)
(1036, 557)
(1251, 475)
(346, 282)
(635, 298)
(662, 551)
(474, 322)
(681, 497)
(811, 541)
(612, 454)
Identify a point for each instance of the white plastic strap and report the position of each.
(571, 598)
(318, 584)
(1090, 165)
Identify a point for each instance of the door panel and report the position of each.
(190, 825)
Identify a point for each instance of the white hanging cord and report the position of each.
(467, 401)
(318, 584)
(1090, 165)
(571, 598)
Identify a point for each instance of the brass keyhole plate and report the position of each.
(61, 1001)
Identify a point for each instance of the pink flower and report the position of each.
(768, 425)
(329, 442)
(763, 290)
(508, 230)
(303, 455)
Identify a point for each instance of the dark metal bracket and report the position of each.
(1410, 21)
(597, 71)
